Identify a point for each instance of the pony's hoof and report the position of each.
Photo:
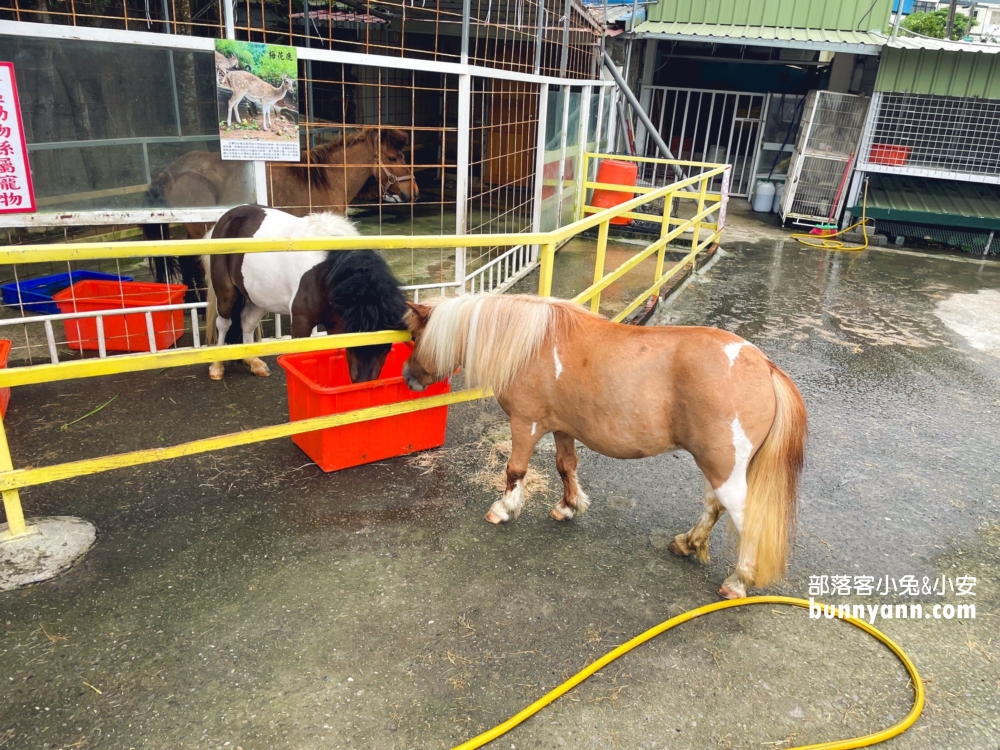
(262, 371)
(561, 513)
(680, 549)
(216, 371)
(494, 518)
(732, 590)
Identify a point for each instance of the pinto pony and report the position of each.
(630, 392)
(347, 291)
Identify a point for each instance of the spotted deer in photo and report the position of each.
(225, 64)
(248, 86)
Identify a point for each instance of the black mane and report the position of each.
(362, 292)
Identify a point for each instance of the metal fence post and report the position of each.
(462, 173)
(668, 203)
(11, 498)
(545, 273)
(581, 175)
(536, 209)
(561, 178)
(645, 93)
(697, 224)
(230, 20)
(581, 195)
(602, 246)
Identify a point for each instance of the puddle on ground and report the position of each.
(974, 317)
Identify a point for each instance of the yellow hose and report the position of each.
(865, 741)
(829, 244)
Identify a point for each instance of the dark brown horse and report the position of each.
(328, 180)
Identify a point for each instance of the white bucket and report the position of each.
(717, 155)
(763, 197)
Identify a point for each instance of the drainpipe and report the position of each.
(654, 134)
(896, 21)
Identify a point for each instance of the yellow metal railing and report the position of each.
(12, 480)
(706, 204)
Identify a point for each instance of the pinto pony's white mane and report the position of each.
(328, 225)
(325, 224)
(492, 336)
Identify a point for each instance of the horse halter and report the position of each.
(390, 179)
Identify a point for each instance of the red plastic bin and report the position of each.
(319, 384)
(888, 154)
(614, 172)
(122, 333)
(4, 392)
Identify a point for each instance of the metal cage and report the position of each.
(946, 137)
(824, 155)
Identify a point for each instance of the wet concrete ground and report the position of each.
(246, 600)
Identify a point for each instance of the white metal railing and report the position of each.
(504, 271)
(100, 315)
(52, 344)
(706, 125)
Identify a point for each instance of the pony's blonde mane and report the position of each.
(493, 336)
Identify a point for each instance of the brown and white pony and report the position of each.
(630, 392)
(330, 178)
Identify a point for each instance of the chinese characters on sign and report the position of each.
(16, 194)
(257, 101)
(908, 585)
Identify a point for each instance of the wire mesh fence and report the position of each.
(832, 123)
(503, 144)
(948, 136)
(120, 127)
(553, 37)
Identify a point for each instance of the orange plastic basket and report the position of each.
(319, 384)
(122, 333)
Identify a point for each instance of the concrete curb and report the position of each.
(55, 544)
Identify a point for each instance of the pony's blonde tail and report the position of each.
(772, 486)
(212, 311)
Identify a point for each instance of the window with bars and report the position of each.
(946, 136)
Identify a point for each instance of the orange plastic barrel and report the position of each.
(614, 172)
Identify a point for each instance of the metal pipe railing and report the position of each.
(12, 480)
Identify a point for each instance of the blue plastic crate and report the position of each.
(36, 294)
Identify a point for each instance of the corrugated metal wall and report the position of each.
(853, 15)
(939, 72)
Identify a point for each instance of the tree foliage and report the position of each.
(263, 60)
(934, 24)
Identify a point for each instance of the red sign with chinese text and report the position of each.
(16, 193)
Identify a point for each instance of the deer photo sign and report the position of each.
(258, 100)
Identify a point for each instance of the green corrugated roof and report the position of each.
(844, 15)
(920, 200)
(861, 42)
(947, 71)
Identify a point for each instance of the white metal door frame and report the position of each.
(731, 130)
